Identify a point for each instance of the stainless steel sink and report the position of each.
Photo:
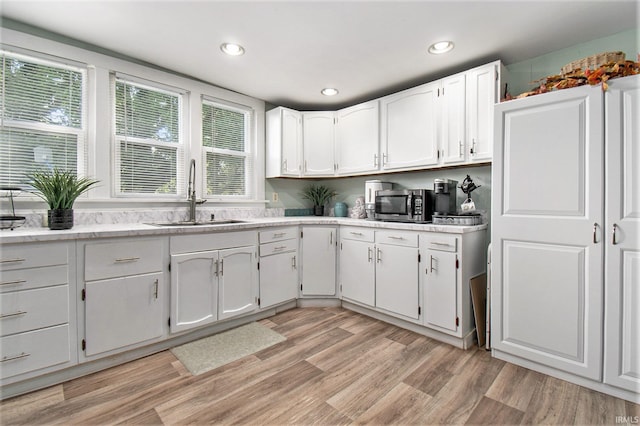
(197, 223)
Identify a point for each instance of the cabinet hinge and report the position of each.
(300, 286)
(84, 344)
(169, 321)
(83, 294)
(258, 301)
(419, 310)
(340, 246)
(438, 154)
(169, 267)
(419, 258)
(258, 266)
(300, 234)
(457, 321)
(457, 264)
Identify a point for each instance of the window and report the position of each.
(42, 118)
(148, 140)
(227, 150)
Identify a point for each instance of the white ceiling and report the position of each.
(295, 48)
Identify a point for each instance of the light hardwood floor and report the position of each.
(335, 368)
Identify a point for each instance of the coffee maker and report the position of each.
(445, 196)
(370, 188)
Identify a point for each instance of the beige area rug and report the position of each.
(220, 349)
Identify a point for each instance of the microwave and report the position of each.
(405, 205)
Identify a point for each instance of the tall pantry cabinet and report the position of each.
(566, 258)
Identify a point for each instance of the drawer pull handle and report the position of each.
(13, 282)
(16, 260)
(279, 235)
(293, 263)
(279, 248)
(127, 259)
(356, 233)
(14, 314)
(440, 244)
(393, 237)
(11, 358)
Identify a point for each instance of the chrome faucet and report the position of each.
(191, 192)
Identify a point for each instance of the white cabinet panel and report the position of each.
(357, 138)
(397, 288)
(123, 311)
(318, 143)
(441, 290)
(194, 289)
(278, 278)
(237, 282)
(283, 142)
(482, 95)
(30, 309)
(357, 271)
(319, 261)
(453, 123)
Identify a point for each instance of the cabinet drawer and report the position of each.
(122, 258)
(278, 234)
(358, 234)
(31, 309)
(442, 242)
(278, 247)
(398, 238)
(20, 256)
(24, 352)
(27, 279)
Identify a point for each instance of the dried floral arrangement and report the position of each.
(579, 77)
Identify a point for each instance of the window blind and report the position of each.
(149, 159)
(227, 153)
(42, 120)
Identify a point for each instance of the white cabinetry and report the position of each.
(357, 265)
(452, 121)
(357, 139)
(318, 143)
(552, 245)
(124, 293)
(483, 92)
(409, 123)
(397, 279)
(213, 277)
(622, 236)
(319, 260)
(284, 142)
(278, 266)
(441, 281)
(36, 322)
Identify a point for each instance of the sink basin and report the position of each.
(197, 223)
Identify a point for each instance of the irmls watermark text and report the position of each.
(629, 420)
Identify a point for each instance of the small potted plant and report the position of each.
(60, 188)
(319, 196)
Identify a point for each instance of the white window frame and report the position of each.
(248, 154)
(180, 147)
(80, 133)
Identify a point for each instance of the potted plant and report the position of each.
(319, 196)
(60, 188)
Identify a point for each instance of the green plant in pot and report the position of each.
(60, 188)
(319, 196)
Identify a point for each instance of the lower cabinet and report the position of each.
(357, 265)
(212, 278)
(441, 281)
(124, 294)
(319, 260)
(278, 266)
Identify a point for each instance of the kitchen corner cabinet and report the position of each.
(212, 278)
(279, 260)
(318, 143)
(124, 293)
(357, 139)
(37, 309)
(409, 128)
(284, 142)
(318, 246)
(550, 235)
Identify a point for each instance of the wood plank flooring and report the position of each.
(335, 368)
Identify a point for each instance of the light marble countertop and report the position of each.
(84, 232)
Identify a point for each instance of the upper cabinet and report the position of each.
(284, 142)
(357, 139)
(443, 123)
(318, 143)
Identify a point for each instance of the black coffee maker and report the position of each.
(445, 196)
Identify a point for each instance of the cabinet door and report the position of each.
(318, 261)
(237, 282)
(441, 290)
(397, 288)
(194, 290)
(291, 135)
(547, 230)
(317, 140)
(278, 278)
(453, 107)
(622, 264)
(409, 128)
(481, 99)
(123, 311)
(357, 271)
(357, 138)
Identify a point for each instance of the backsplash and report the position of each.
(37, 218)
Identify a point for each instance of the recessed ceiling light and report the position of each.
(329, 91)
(232, 49)
(441, 47)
